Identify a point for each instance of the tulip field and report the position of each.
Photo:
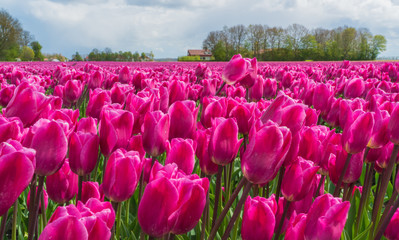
(239, 150)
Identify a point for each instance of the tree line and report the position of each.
(108, 55)
(294, 43)
(15, 42)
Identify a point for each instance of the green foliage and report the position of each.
(294, 43)
(108, 55)
(189, 59)
(77, 57)
(27, 54)
(37, 50)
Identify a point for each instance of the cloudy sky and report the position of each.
(170, 27)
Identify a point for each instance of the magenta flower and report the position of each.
(62, 186)
(183, 119)
(155, 132)
(182, 152)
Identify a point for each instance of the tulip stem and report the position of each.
(227, 207)
(220, 89)
(386, 221)
(32, 201)
(387, 208)
(127, 211)
(43, 208)
(280, 180)
(237, 210)
(217, 193)
(3, 224)
(386, 176)
(365, 194)
(14, 221)
(205, 216)
(80, 183)
(280, 225)
(322, 179)
(119, 215)
(33, 225)
(337, 190)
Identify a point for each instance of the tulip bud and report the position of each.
(183, 119)
(224, 145)
(298, 179)
(265, 153)
(88, 125)
(235, 69)
(393, 125)
(62, 186)
(244, 115)
(258, 220)
(72, 91)
(326, 218)
(124, 75)
(356, 135)
(182, 153)
(121, 175)
(155, 132)
(91, 190)
(98, 98)
(205, 162)
(83, 151)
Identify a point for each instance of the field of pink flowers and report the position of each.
(237, 150)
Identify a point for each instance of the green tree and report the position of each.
(219, 52)
(378, 45)
(136, 56)
(10, 36)
(77, 57)
(27, 54)
(143, 56)
(36, 47)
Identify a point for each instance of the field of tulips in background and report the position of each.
(237, 150)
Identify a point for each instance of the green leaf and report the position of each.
(363, 234)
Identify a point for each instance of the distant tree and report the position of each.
(77, 57)
(378, 45)
(143, 56)
(26, 38)
(36, 47)
(27, 54)
(151, 56)
(136, 56)
(10, 35)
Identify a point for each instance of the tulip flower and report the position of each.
(56, 229)
(184, 196)
(326, 218)
(6, 93)
(224, 145)
(121, 175)
(155, 132)
(244, 114)
(296, 228)
(391, 232)
(27, 104)
(298, 179)
(51, 146)
(356, 135)
(96, 80)
(235, 69)
(16, 170)
(354, 88)
(212, 108)
(205, 162)
(177, 91)
(124, 75)
(115, 129)
(183, 119)
(88, 125)
(182, 152)
(322, 98)
(91, 190)
(83, 152)
(393, 125)
(255, 93)
(72, 91)
(265, 153)
(269, 88)
(258, 220)
(251, 77)
(10, 128)
(98, 98)
(62, 186)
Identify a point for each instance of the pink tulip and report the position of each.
(72, 91)
(27, 104)
(115, 129)
(269, 88)
(121, 175)
(356, 135)
(88, 125)
(258, 220)
(224, 145)
(83, 152)
(255, 93)
(155, 132)
(296, 228)
(326, 218)
(98, 98)
(393, 125)
(96, 80)
(298, 180)
(10, 128)
(56, 229)
(244, 114)
(183, 119)
(213, 108)
(124, 75)
(182, 152)
(354, 88)
(62, 186)
(51, 145)
(91, 190)
(235, 69)
(392, 233)
(17, 166)
(265, 153)
(205, 162)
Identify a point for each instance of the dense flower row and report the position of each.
(291, 136)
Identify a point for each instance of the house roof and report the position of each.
(200, 52)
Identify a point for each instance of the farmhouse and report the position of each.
(204, 54)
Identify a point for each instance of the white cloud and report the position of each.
(169, 27)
